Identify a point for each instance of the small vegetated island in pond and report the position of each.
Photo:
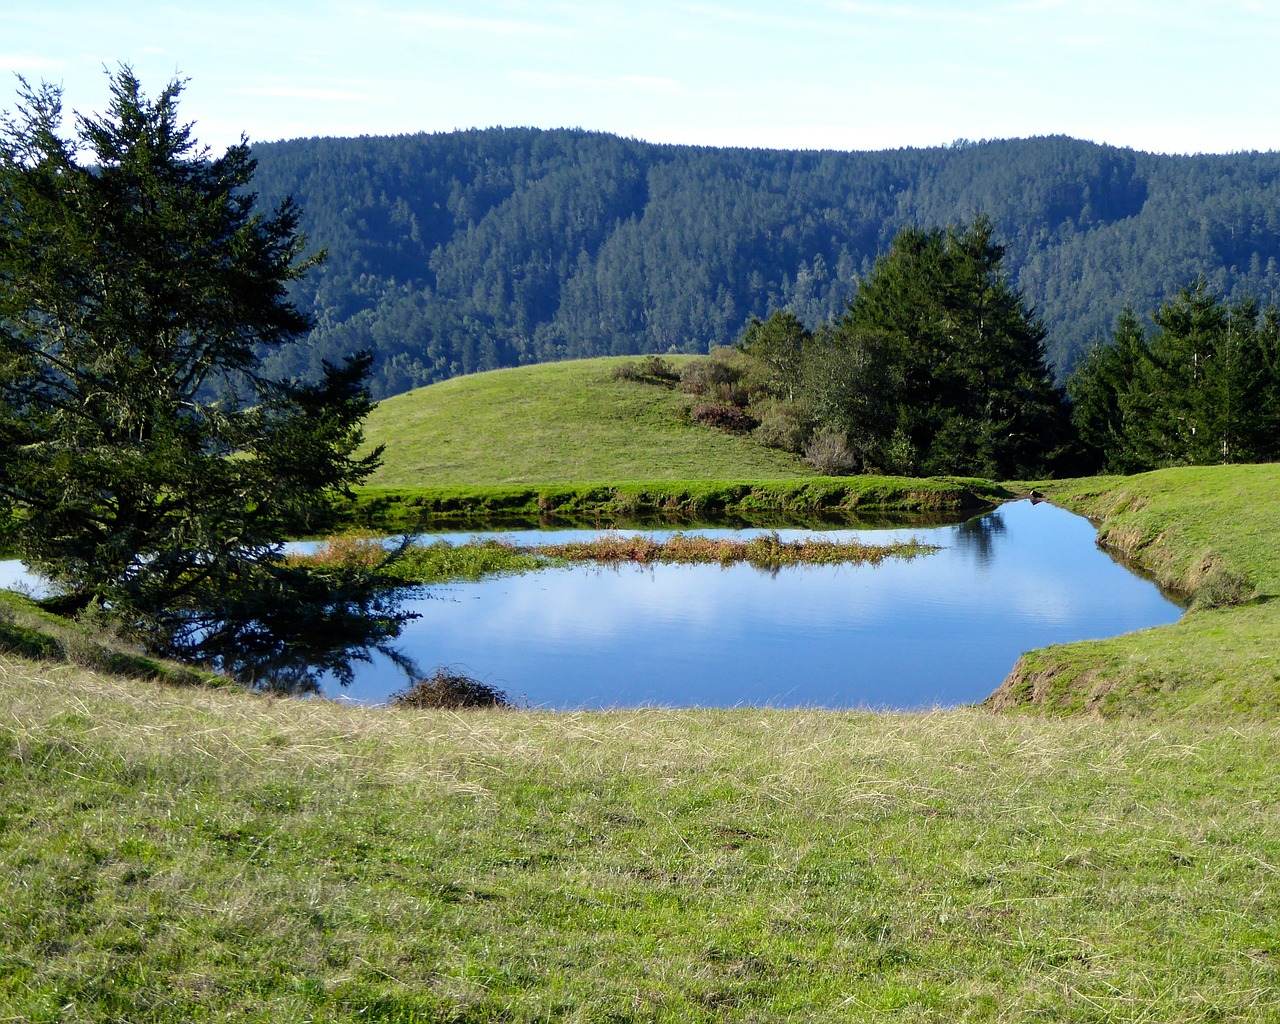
(443, 562)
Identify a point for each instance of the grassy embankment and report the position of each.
(566, 441)
(176, 852)
(1208, 532)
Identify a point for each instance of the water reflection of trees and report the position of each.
(978, 536)
(295, 647)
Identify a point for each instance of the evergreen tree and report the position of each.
(153, 470)
(1201, 386)
(1112, 402)
(778, 346)
(1207, 367)
(977, 395)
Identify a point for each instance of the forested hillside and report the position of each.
(466, 251)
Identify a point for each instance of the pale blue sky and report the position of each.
(1160, 75)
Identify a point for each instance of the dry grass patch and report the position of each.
(208, 854)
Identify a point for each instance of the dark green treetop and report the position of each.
(977, 394)
(1199, 385)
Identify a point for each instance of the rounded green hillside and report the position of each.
(570, 421)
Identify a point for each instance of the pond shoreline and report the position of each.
(801, 502)
(845, 628)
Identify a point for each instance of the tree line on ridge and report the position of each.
(467, 251)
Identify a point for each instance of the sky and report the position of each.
(1167, 76)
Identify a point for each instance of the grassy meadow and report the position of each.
(172, 853)
(558, 422)
(1100, 842)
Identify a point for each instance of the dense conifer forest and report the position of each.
(458, 252)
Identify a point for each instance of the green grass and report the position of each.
(28, 630)
(567, 442)
(1209, 533)
(176, 854)
(194, 853)
(557, 422)
(805, 501)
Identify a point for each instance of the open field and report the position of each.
(194, 854)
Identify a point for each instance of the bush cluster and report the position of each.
(647, 369)
(732, 418)
(445, 688)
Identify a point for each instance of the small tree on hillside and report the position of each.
(151, 469)
(778, 345)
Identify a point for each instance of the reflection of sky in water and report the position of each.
(940, 629)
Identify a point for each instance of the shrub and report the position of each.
(1221, 587)
(718, 378)
(783, 425)
(445, 688)
(829, 453)
(699, 375)
(649, 369)
(724, 417)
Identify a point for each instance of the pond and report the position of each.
(939, 630)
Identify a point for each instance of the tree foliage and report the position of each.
(1199, 386)
(153, 467)
(465, 251)
(976, 394)
(937, 366)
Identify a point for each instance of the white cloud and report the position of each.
(301, 93)
(30, 64)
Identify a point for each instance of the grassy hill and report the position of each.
(558, 422)
(570, 441)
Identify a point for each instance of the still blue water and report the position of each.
(940, 630)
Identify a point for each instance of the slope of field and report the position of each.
(1206, 532)
(559, 422)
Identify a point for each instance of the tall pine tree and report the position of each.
(152, 470)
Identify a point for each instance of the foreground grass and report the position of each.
(557, 422)
(1207, 532)
(170, 854)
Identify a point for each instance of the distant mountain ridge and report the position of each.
(457, 252)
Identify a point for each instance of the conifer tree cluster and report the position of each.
(937, 366)
(1199, 386)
